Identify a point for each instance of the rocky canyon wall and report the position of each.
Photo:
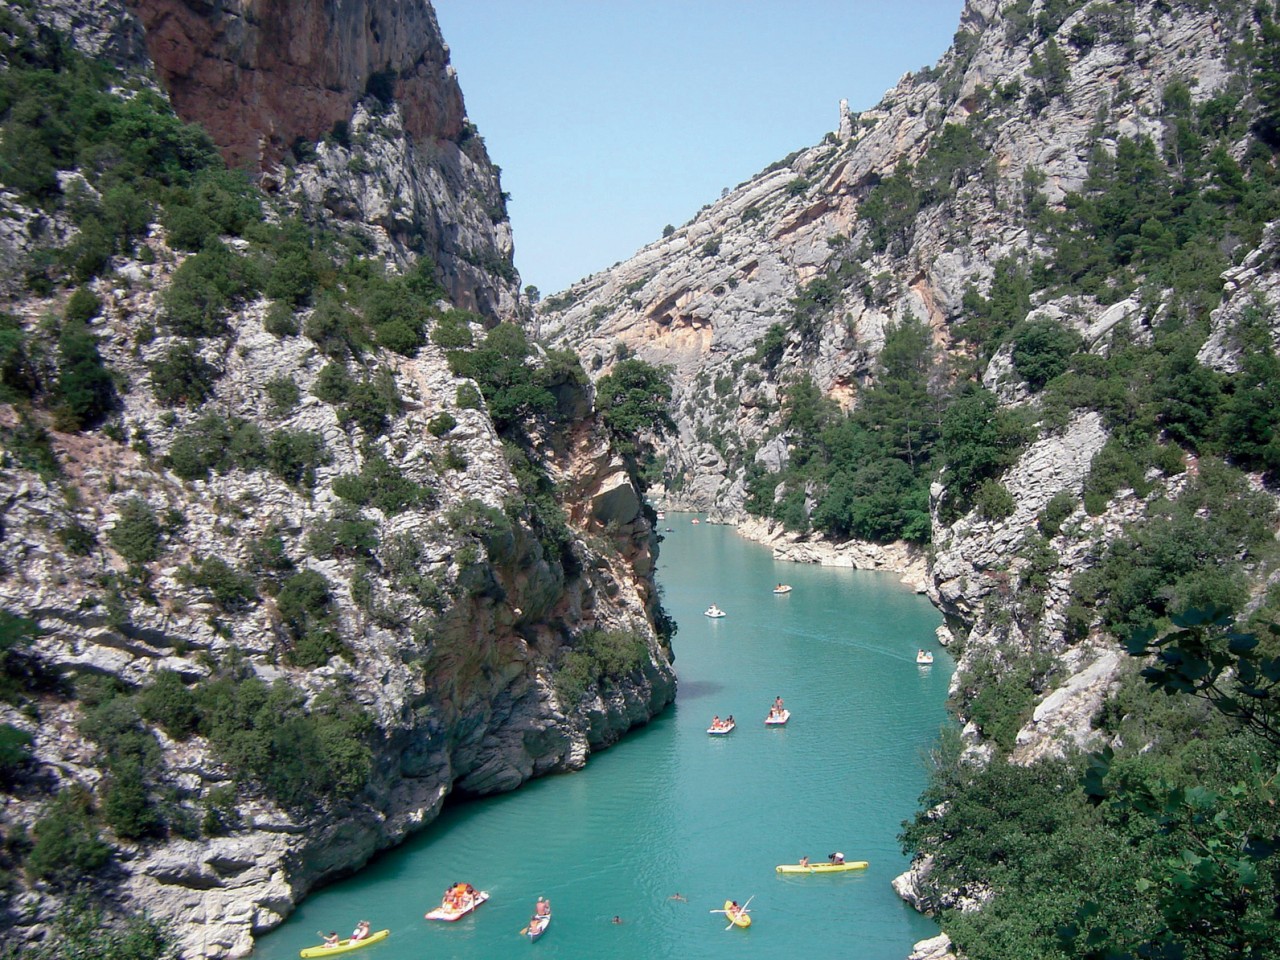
(445, 604)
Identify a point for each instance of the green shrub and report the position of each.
(294, 455)
(468, 397)
(336, 330)
(452, 331)
(993, 501)
(221, 815)
(1184, 555)
(454, 458)
(979, 441)
(381, 484)
(283, 394)
(188, 228)
(292, 275)
(67, 846)
(1060, 506)
(441, 423)
(268, 557)
(218, 443)
(81, 931)
(498, 365)
(78, 539)
(345, 535)
(1113, 468)
(371, 402)
(634, 399)
(82, 306)
(182, 376)
(1041, 350)
(265, 733)
(305, 604)
(168, 702)
(230, 589)
(205, 288)
(333, 383)
(126, 805)
(136, 536)
(15, 750)
(396, 313)
(17, 374)
(601, 656)
(30, 447)
(280, 321)
(84, 393)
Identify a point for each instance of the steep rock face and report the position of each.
(702, 299)
(260, 74)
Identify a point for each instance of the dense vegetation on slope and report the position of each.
(1165, 845)
(1168, 843)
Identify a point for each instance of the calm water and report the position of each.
(671, 809)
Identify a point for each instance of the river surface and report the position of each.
(673, 810)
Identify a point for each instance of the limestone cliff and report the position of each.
(323, 505)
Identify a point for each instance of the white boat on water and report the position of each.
(713, 611)
(782, 588)
(924, 657)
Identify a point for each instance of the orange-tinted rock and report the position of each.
(259, 74)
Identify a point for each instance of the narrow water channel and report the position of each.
(673, 810)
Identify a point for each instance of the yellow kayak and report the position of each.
(821, 867)
(344, 946)
(739, 916)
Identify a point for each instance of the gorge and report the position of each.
(286, 477)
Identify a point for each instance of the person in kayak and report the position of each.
(543, 908)
(836, 857)
(804, 861)
(361, 931)
(332, 940)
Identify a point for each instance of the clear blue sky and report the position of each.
(612, 118)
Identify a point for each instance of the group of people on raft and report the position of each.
(459, 896)
(776, 710)
(718, 724)
(361, 932)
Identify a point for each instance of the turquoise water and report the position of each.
(671, 809)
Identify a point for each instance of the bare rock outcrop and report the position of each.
(261, 74)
